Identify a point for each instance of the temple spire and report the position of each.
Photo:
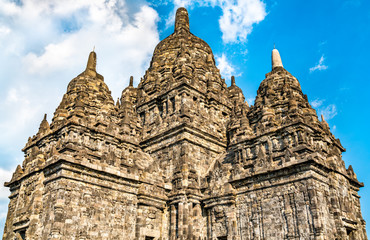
(182, 20)
(276, 59)
(44, 125)
(233, 81)
(131, 81)
(91, 65)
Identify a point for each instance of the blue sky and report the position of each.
(325, 44)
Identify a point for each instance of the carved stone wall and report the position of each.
(183, 156)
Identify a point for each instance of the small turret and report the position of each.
(234, 93)
(233, 81)
(182, 20)
(44, 125)
(324, 123)
(85, 94)
(17, 174)
(276, 59)
(91, 65)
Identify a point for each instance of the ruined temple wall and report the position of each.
(8, 228)
(25, 208)
(86, 210)
(286, 207)
(344, 204)
(152, 222)
(67, 200)
(189, 146)
(222, 221)
(308, 203)
(92, 213)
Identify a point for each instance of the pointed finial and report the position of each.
(274, 46)
(91, 65)
(131, 81)
(182, 20)
(93, 49)
(232, 81)
(44, 125)
(276, 59)
(324, 123)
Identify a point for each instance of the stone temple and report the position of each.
(183, 156)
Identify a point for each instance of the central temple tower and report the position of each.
(184, 109)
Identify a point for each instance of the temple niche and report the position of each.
(183, 156)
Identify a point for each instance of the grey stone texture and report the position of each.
(183, 156)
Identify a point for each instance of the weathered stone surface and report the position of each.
(183, 156)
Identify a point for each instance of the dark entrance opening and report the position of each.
(222, 238)
(350, 234)
(22, 233)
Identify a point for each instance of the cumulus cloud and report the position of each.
(328, 111)
(320, 66)
(20, 111)
(250, 100)
(225, 66)
(44, 44)
(5, 176)
(238, 16)
(317, 103)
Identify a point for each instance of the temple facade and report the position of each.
(183, 156)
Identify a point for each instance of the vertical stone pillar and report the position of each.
(165, 108)
(146, 117)
(183, 108)
(180, 220)
(173, 223)
(190, 221)
(185, 220)
(197, 210)
(139, 221)
(177, 103)
(171, 105)
(209, 224)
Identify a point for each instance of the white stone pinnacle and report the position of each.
(276, 59)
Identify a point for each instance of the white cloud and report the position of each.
(320, 65)
(317, 103)
(20, 111)
(225, 67)
(250, 101)
(238, 16)
(185, 3)
(328, 112)
(44, 44)
(5, 176)
(4, 31)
